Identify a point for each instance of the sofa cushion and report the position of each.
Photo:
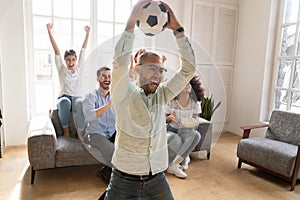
(72, 152)
(271, 154)
(285, 127)
(53, 114)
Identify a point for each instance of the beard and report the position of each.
(149, 87)
(105, 85)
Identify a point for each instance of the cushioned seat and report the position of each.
(279, 151)
(48, 149)
(279, 156)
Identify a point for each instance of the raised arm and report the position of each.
(87, 34)
(135, 14)
(173, 23)
(187, 70)
(53, 43)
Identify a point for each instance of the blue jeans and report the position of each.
(125, 187)
(64, 106)
(78, 114)
(181, 141)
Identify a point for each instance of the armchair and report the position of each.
(278, 152)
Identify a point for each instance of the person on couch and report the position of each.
(181, 139)
(99, 116)
(69, 78)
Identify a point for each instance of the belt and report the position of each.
(135, 177)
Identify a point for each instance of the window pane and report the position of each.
(284, 73)
(295, 107)
(291, 11)
(281, 99)
(40, 35)
(122, 10)
(105, 32)
(62, 33)
(287, 40)
(105, 10)
(296, 78)
(81, 9)
(62, 8)
(41, 7)
(119, 28)
(298, 43)
(43, 97)
(43, 65)
(79, 34)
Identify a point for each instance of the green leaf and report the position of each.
(208, 108)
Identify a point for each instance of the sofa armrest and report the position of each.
(247, 129)
(41, 144)
(205, 129)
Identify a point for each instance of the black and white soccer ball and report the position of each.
(154, 18)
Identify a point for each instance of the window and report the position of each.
(286, 93)
(106, 18)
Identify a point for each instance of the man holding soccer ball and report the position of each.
(141, 153)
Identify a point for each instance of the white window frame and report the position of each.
(278, 58)
(53, 82)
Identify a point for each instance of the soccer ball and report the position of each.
(154, 18)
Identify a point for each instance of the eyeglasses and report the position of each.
(154, 67)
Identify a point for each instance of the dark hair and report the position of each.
(144, 56)
(70, 52)
(197, 93)
(137, 54)
(101, 69)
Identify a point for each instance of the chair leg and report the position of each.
(239, 163)
(32, 175)
(293, 186)
(208, 154)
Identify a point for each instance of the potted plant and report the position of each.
(208, 108)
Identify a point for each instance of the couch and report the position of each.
(278, 152)
(48, 149)
(205, 129)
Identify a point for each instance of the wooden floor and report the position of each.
(214, 179)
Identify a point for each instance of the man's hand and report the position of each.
(173, 23)
(135, 14)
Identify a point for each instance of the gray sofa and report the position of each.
(48, 149)
(205, 129)
(279, 151)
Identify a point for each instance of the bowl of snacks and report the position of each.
(189, 122)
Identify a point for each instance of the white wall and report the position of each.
(13, 72)
(251, 53)
(250, 63)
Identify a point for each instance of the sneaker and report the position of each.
(175, 169)
(185, 163)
